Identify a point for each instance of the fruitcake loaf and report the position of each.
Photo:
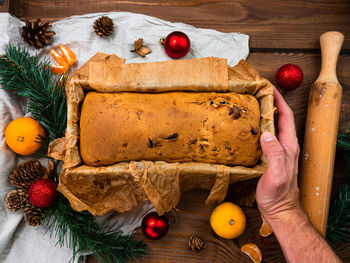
(221, 128)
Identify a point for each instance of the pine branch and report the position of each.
(28, 77)
(343, 144)
(85, 235)
(338, 227)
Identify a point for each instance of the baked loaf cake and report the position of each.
(221, 128)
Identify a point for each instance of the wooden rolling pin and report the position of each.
(321, 135)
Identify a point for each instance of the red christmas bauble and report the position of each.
(42, 193)
(289, 77)
(154, 226)
(177, 44)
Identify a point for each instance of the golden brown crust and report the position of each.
(220, 128)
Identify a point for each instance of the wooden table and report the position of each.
(280, 32)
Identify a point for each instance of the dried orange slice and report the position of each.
(68, 55)
(253, 251)
(58, 69)
(59, 58)
(265, 229)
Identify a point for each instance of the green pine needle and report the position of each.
(338, 227)
(27, 77)
(85, 235)
(343, 144)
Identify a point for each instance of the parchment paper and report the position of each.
(124, 185)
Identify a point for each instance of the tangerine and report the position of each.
(23, 134)
(253, 251)
(58, 69)
(265, 229)
(68, 55)
(228, 220)
(59, 58)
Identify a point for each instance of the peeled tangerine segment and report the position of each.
(68, 55)
(265, 229)
(59, 58)
(253, 251)
(58, 69)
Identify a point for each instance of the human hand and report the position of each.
(277, 192)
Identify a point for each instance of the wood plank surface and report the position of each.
(280, 32)
(192, 218)
(4, 6)
(288, 24)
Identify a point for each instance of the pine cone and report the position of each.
(33, 215)
(196, 243)
(104, 26)
(37, 34)
(16, 199)
(26, 173)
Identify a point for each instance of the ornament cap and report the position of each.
(161, 41)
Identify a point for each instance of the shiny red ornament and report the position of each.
(289, 77)
(177, 44)
(154, 226)
(42, 193)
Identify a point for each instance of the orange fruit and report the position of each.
(22, 135)
(253, 251)
(59, 58)
(58, 69)
(68, 55)
(265, 229)
(228, 220)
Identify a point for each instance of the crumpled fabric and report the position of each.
(22, 243)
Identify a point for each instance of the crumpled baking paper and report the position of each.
(125, 185)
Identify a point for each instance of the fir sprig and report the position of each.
(343, 144)
(338, 227)
(85, 235)
(28, 77)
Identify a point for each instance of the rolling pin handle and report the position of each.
(331, 43)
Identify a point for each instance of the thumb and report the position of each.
(273, 151)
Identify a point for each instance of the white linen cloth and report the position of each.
(22, 243)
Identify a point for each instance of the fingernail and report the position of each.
(267, 137)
